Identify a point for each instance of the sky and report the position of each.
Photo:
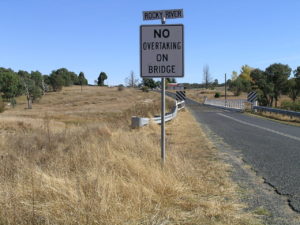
(103, 35)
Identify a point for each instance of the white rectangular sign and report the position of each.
(158, 15)
(161, 50)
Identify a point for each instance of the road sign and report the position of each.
(161, 50)
(252, 96)
(180, 95)
(158, 15)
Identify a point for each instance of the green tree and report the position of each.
(215, 83)
(297, 72)
(263, 86)
(101, 78)
(149, 82)
(81, 79)
(74, 79)
(169, 80)
(245, 72)
(293, 85)
(46, 83)
(31, 86)
(56, 81)
(158, 83)
(297, 76)
(2, 105)
(9, 84)
(239, 85)
(234, 75)
(293, 89)
(278, 74)
(69, 78)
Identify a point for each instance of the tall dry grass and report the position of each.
(281, 117)
(102, 172)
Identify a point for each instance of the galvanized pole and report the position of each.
(163, 143)
(225, 91)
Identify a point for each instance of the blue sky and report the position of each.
(103, 35)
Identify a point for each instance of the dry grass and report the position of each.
(281, 117)
(62, 163)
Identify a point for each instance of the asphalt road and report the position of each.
(271, 148)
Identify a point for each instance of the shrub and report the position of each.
(13, 102)
(288, 105)
(217, 95)
(145, 89)
(121, 87)
(2, 106)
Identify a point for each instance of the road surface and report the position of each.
(271, 148)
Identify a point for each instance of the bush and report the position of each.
(145, 89)
(13, 102)
(217, 95)
(288, 105)
(121, 87)
(2, 105)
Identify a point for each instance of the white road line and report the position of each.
(260, 127)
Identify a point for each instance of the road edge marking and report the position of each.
(260, 127)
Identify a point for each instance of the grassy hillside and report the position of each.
(73, 159)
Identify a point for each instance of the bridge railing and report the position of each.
(238, 104)
(141, 121)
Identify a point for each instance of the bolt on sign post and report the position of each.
(161, 54)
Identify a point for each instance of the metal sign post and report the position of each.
(163, 113)
(161, 54)
(225, 90)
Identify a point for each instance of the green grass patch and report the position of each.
(289, 105)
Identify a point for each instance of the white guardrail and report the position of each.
(141, 121)
(235, 104)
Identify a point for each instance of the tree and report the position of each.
(158, 83)
(149, 82)
(206, 76)
(264, 87)
(297, 76)
(234, 75)
(31, 85)
(74, 79)
(131, 81)
(38, 89)
(297, 72)
(9, 84)
(293, 89)
(245, 72)
(278, 74)
(68, 77)
(239, 85)
(215, 83)
(46, 83)
(56, 81)
(171, 80)
(101, 78)
(81, 79)
(2, 105)
(293, 85)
